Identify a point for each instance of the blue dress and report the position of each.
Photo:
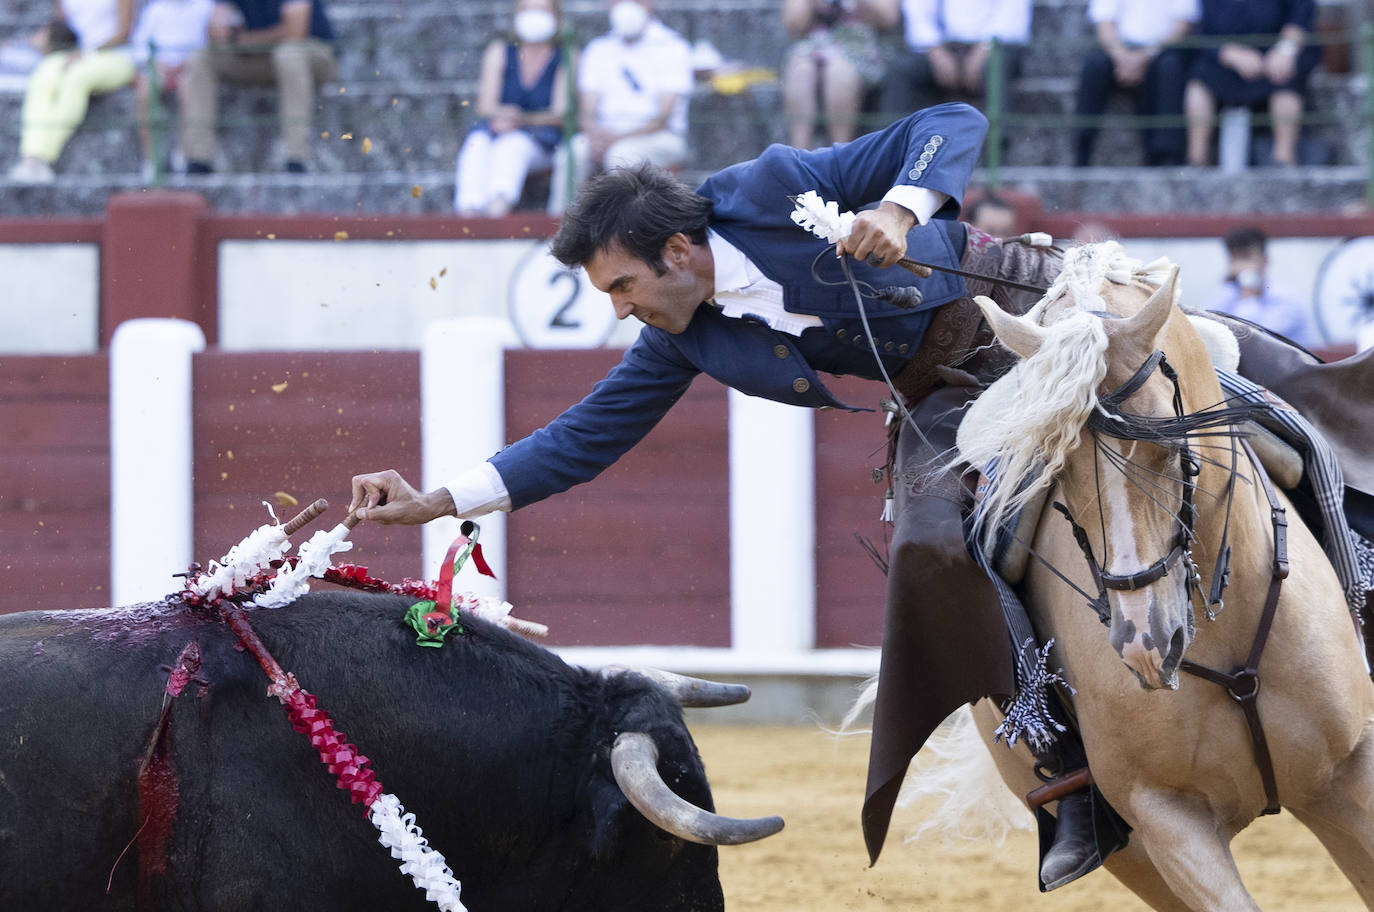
(536, 97)
(1252, 17)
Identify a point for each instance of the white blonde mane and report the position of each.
(1056, 388)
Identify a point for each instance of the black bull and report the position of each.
(501, 750)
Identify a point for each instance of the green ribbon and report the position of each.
(415, 617)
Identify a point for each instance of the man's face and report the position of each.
(667, 301)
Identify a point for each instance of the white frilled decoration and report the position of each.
(314, 559)
(248, 558)
(424, 864)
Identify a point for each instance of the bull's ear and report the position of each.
(1022, 336)
(1144, 325)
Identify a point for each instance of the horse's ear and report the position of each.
(1022, 336)
(1146, 323)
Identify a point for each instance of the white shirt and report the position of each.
(630, 78)
(740, 289)
(931, 22)
(93, 21)
(1144, 23)
(177, 27)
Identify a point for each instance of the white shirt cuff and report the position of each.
(478, 491)
(921, 201)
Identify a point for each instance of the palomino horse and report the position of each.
(1172, 752)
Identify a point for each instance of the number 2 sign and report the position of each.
(552, 306)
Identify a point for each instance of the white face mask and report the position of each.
(534, 26)
(628, 19)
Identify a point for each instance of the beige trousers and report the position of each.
(296, 68)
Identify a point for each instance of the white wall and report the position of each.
(49, 299)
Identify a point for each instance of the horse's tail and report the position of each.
(953, 784)
(955, 788)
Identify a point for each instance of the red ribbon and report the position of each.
(340, 757)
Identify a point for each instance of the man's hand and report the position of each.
(1246, 61)
(1130, 65)
(387, 498)
(879, 235)
(944, 68)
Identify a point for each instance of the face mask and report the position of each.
(1250, 280)
(535, 25)
(628, 19)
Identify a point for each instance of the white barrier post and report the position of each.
(151, 494)
(463, 421)
(772, 526)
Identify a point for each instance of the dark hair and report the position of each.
(1246, 237)
(636, 209)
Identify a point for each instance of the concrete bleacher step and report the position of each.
(1062, 189)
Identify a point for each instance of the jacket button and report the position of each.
(841, 333)
(801, 384)
(889, 346)
(858, 340)
(781, 350)
(902, 349)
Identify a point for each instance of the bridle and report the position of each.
(1180, 551)
(1243, 683)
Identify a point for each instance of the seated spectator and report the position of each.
(1249, 293)
(87, 54)
(1134, 56)
(167, 33)
(993, 215)
(836, 61)
(947, 47)
(1252, 72)
(286, 43)
(632, 86)
(522, 94)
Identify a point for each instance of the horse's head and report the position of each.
(1099, 411)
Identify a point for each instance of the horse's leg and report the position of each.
(1343, 818)
(1191, 850)
(1130, 865)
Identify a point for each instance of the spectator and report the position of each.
(836, 60)
(1249, 294)
(947, 47)
(87, 54)
(174, 29)
(522, 94)
(993, 215)
(258, 42)
(1134, 56)
(1251, 72)
(632, 88)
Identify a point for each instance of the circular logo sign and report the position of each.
(552, 306)
(1345, 293)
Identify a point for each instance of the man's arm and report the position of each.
(620, 411)
(934, 150)
(575, 447)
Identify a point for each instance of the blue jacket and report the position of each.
(935, 148)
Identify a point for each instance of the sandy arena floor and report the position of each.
(818, 862)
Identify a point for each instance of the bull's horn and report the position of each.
(634, 761)
(694, 692)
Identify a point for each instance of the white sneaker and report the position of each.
(32, 171)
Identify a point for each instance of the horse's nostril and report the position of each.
(1177, 644)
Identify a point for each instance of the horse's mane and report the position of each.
(1056, 388)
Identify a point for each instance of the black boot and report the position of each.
(1074, 851)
